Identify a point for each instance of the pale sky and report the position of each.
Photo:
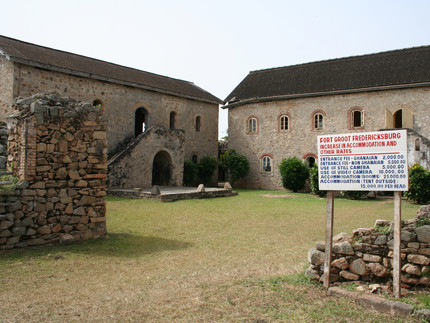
(216, 43)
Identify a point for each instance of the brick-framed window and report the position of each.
(252, 125)
(266, 163)
(318, 120)
(284, 122)
(355, 118)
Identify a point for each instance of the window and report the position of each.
(198, 123)
(97, 103)
(172, 120)
(398, 119)
(252, 125)
(318, 120)
(141, 120)
(284, 123)
(417, 144)
(355, 118)
(194, 159)
(401, 118)
(310, 159)
(266, 163)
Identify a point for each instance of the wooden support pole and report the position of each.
(397, 259)
(328, 238)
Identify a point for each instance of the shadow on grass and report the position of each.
(124, 245)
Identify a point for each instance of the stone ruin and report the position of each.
(367, 254)
(57, 151)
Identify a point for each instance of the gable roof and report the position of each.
(393, 69)
(60, 61)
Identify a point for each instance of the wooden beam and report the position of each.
(328, 238)
(397, 259)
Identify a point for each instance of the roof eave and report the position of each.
(108, 79)
(315, 94)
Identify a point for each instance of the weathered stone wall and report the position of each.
(6, 86)
(300, 139)
(133, 167)
(120, 102)
(418, 149)
(367, 254)
(57, 148)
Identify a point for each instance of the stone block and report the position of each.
(358, 266)
(378, 270)
(349, 275)
(419, 259)
(340, 263)
(79, 211)
(18, 231)
(315, 257)
(344, 248)
(423, 233)
(407, 236)
(44, 230)
(371, 258)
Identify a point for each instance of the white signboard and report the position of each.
(366, 161)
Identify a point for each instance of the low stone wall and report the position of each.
(171, 197)
(367, 254)
(57, 149)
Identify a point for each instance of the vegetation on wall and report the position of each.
(294, 173)
(313, 175)
(190, 172)
(206, 168)
(236, 165)
(419, 184)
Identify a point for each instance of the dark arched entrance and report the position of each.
(162, 169)
(398, 119)
(141, 121)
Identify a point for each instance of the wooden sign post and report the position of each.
(397, 259)
(328, 238)
(372, 161)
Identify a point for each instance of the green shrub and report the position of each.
(294, 173)
(419, 184)
(313, 175)
(355, 195)
(237, 165)
(190, 172)
(206, 168)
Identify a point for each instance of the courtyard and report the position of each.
(235, 259)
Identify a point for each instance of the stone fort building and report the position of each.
(278, 113)
(164, 121)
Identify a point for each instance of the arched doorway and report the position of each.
(162, 169)
(141, 121)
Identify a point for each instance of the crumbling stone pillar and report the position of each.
(57, 148)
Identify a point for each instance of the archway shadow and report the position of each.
(122, 245)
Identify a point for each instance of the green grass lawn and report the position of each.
(233, 259)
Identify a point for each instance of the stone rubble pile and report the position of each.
(367, 254)
(57, 149)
